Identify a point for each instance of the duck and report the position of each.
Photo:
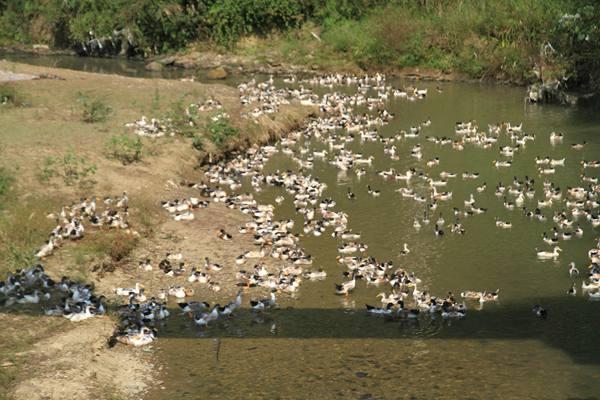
(372, 192)
(87, 312)
(387, 310)
(547, 255)
(212, 266)
(46, 249)
(594, 295)
(405, 251)
(224, 235)
(262, 304)
(315, 275)
(126, 291)
(573, 271)
(350, 195)
(572, 290)
(145, 265)
(503, 224)
(203, 319)
(193, 306)
(539, 311)
(179, 292)
(138, 338)
(232, 306)
(346, 287)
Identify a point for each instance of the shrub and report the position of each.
(220, 131)
(93, 109)
(71, 168)
(125, 148)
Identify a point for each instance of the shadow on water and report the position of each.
(572, 325)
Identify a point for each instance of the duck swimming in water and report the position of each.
(539, 311)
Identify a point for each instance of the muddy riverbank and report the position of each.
(50, 126)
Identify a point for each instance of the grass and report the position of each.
(23, 228)
(10, 96)
(93, 109)
(220, 131)
(125, 148)
(70, 168)
(6, 181)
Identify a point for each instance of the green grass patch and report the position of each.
(125, 148)
(220, 131)
(93, 109)
(71, 169)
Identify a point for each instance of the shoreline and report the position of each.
(148, 182)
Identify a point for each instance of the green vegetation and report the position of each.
(183, 119)
(125, 148)
(516, 40)
(93, 109)
(71, 168)
(220, 131)
(6, 182)
(9, 96)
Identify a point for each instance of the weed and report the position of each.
(220, 131)
(71, 168)
(93, 109)
(184, 119)
(125, 149)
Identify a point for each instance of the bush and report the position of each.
(220, 131)
(70, 168)
(231, 19)
(93, 109)
(125, 149)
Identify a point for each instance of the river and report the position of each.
(319, 345)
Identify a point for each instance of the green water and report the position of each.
(319, 345)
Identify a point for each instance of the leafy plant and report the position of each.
(125, 148)
(93, 109)
(71, 168)
(220, 131)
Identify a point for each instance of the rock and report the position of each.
(185, 62)
(154, 66)
(167, 61)
(217, 73)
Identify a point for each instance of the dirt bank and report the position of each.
(73, 360)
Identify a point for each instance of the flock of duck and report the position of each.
(326, 138)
